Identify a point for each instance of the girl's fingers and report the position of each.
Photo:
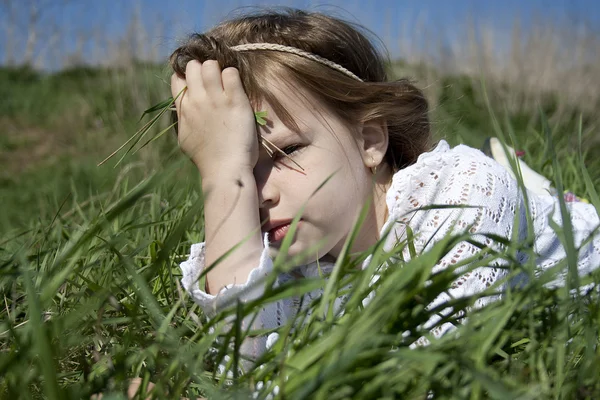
(211, 77)
(232, 83)
(193, 77)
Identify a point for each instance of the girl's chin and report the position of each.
(299, 251)
(275, 249)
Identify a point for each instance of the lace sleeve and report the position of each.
(585, 223)
(465, 176)
(212, 304)
(268, 317)
(461, 176)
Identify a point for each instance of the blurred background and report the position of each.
(76, 75)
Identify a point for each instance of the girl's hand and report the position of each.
(216, 127)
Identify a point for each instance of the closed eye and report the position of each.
(289, 150)
(287, 154)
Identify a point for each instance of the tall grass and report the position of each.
(92, 299)
(57, 127)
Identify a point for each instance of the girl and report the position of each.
(338, 135)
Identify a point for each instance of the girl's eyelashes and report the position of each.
(289, 150)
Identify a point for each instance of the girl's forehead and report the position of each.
(293, 97)
(304, 108)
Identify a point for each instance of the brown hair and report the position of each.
(399, 103)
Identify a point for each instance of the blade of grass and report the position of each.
(40, 338)
(143, 131)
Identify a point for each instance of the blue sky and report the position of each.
(390, 20)
(387, 18)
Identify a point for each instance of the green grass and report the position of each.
(90, 280)
(57, 127)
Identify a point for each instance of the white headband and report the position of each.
(297, 51)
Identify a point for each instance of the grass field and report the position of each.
(89, 262)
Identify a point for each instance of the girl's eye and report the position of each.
(289, 150)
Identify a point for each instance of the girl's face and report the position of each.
(325, 148)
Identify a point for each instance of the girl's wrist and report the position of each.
(223, 168)
(226, 176)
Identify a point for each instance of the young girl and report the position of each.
(339, 135)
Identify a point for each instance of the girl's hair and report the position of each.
(399, 103)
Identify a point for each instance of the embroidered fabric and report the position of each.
(443, 176)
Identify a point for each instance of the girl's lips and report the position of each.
(278, 233)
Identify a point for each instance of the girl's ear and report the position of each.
(373, 141)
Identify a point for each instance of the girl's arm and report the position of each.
(230, 218)
(217, 130)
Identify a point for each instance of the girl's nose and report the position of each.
(268, 192)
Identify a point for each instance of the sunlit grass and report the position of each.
(91, 298)
(90, 285)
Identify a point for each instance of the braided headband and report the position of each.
(297, 51)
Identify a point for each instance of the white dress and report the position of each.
(443, 176)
